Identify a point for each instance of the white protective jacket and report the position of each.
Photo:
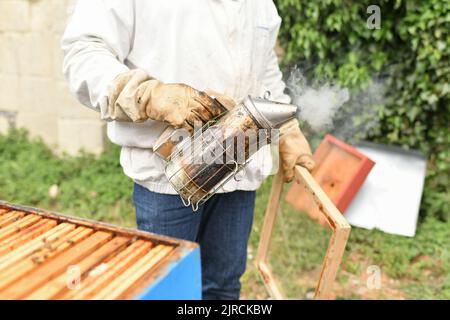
(223, 45)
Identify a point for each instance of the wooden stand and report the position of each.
(340, 233)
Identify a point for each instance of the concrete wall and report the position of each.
(33, 93)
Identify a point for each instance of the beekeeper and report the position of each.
(146, 64)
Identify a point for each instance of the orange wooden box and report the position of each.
(340, 171)
(44, 255)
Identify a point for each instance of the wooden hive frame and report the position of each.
(336, 247)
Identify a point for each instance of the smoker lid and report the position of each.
(269, 114)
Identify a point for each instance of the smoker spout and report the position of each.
(270, 114)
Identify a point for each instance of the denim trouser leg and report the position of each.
(222, 227)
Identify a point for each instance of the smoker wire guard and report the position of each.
(259, 119)
(177, 154)
(336, 246)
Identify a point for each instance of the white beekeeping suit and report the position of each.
(223, 45)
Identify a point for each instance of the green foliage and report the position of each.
(88, 186)
(410, 52)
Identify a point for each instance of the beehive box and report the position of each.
(340, 171)
(45, 255)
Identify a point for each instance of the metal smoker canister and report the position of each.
(227, 144)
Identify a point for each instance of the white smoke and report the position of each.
(317, 105)
(333, 109)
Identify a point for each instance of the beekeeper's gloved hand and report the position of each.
(224, 99)
(136, 97)
(294, 149)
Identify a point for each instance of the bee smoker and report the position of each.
(200, 165)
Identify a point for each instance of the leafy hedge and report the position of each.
(410, 52)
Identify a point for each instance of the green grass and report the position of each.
(91, 187)
(95, 187)
(412, 268)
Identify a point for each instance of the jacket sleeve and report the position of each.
(96, 43)
(273, 79)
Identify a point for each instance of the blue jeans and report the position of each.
(221, 226)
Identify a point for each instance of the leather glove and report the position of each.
(225, 100)
(294, 149)
(136, 97)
